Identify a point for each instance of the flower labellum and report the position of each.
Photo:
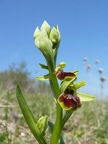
(68, 101)
(61, 75)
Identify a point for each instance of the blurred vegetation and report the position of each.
(88, 125)
(19, 74)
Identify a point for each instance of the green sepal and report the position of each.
(43, 78)
(79, 84)
(51, 126)
(42, 124)
(43, 66)
(85, 97)
(64, 84)
(30, 120)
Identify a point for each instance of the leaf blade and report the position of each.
(29, 116)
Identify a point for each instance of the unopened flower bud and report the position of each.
(42, 124)
(42, 42)
(55, 35)
(36, 33)
(45, 27)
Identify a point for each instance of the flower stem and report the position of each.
(57, 127)
(66, 117)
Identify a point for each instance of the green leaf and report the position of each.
(85, 97)
(66, 83)
(43, 66)
(43, 78)
(51, 126)
(79, 84)
(29, 116)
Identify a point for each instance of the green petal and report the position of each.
(75, 72)
(66, 83)
(85, 97)
(79, 84)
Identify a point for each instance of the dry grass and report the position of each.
(88, 125)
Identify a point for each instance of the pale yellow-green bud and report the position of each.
(43, 43)
(45, 27)
(55, 35)
(36, 33)
(42, 124)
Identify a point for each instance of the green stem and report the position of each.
(57, 128)
(56, 91)
(66, 117)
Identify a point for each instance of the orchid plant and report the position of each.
(66, 92)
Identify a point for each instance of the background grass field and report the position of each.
(87, 125)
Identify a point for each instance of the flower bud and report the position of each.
(36, 33)
(44, 44)
(42, 124)
(55, 35)
(45, 27)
